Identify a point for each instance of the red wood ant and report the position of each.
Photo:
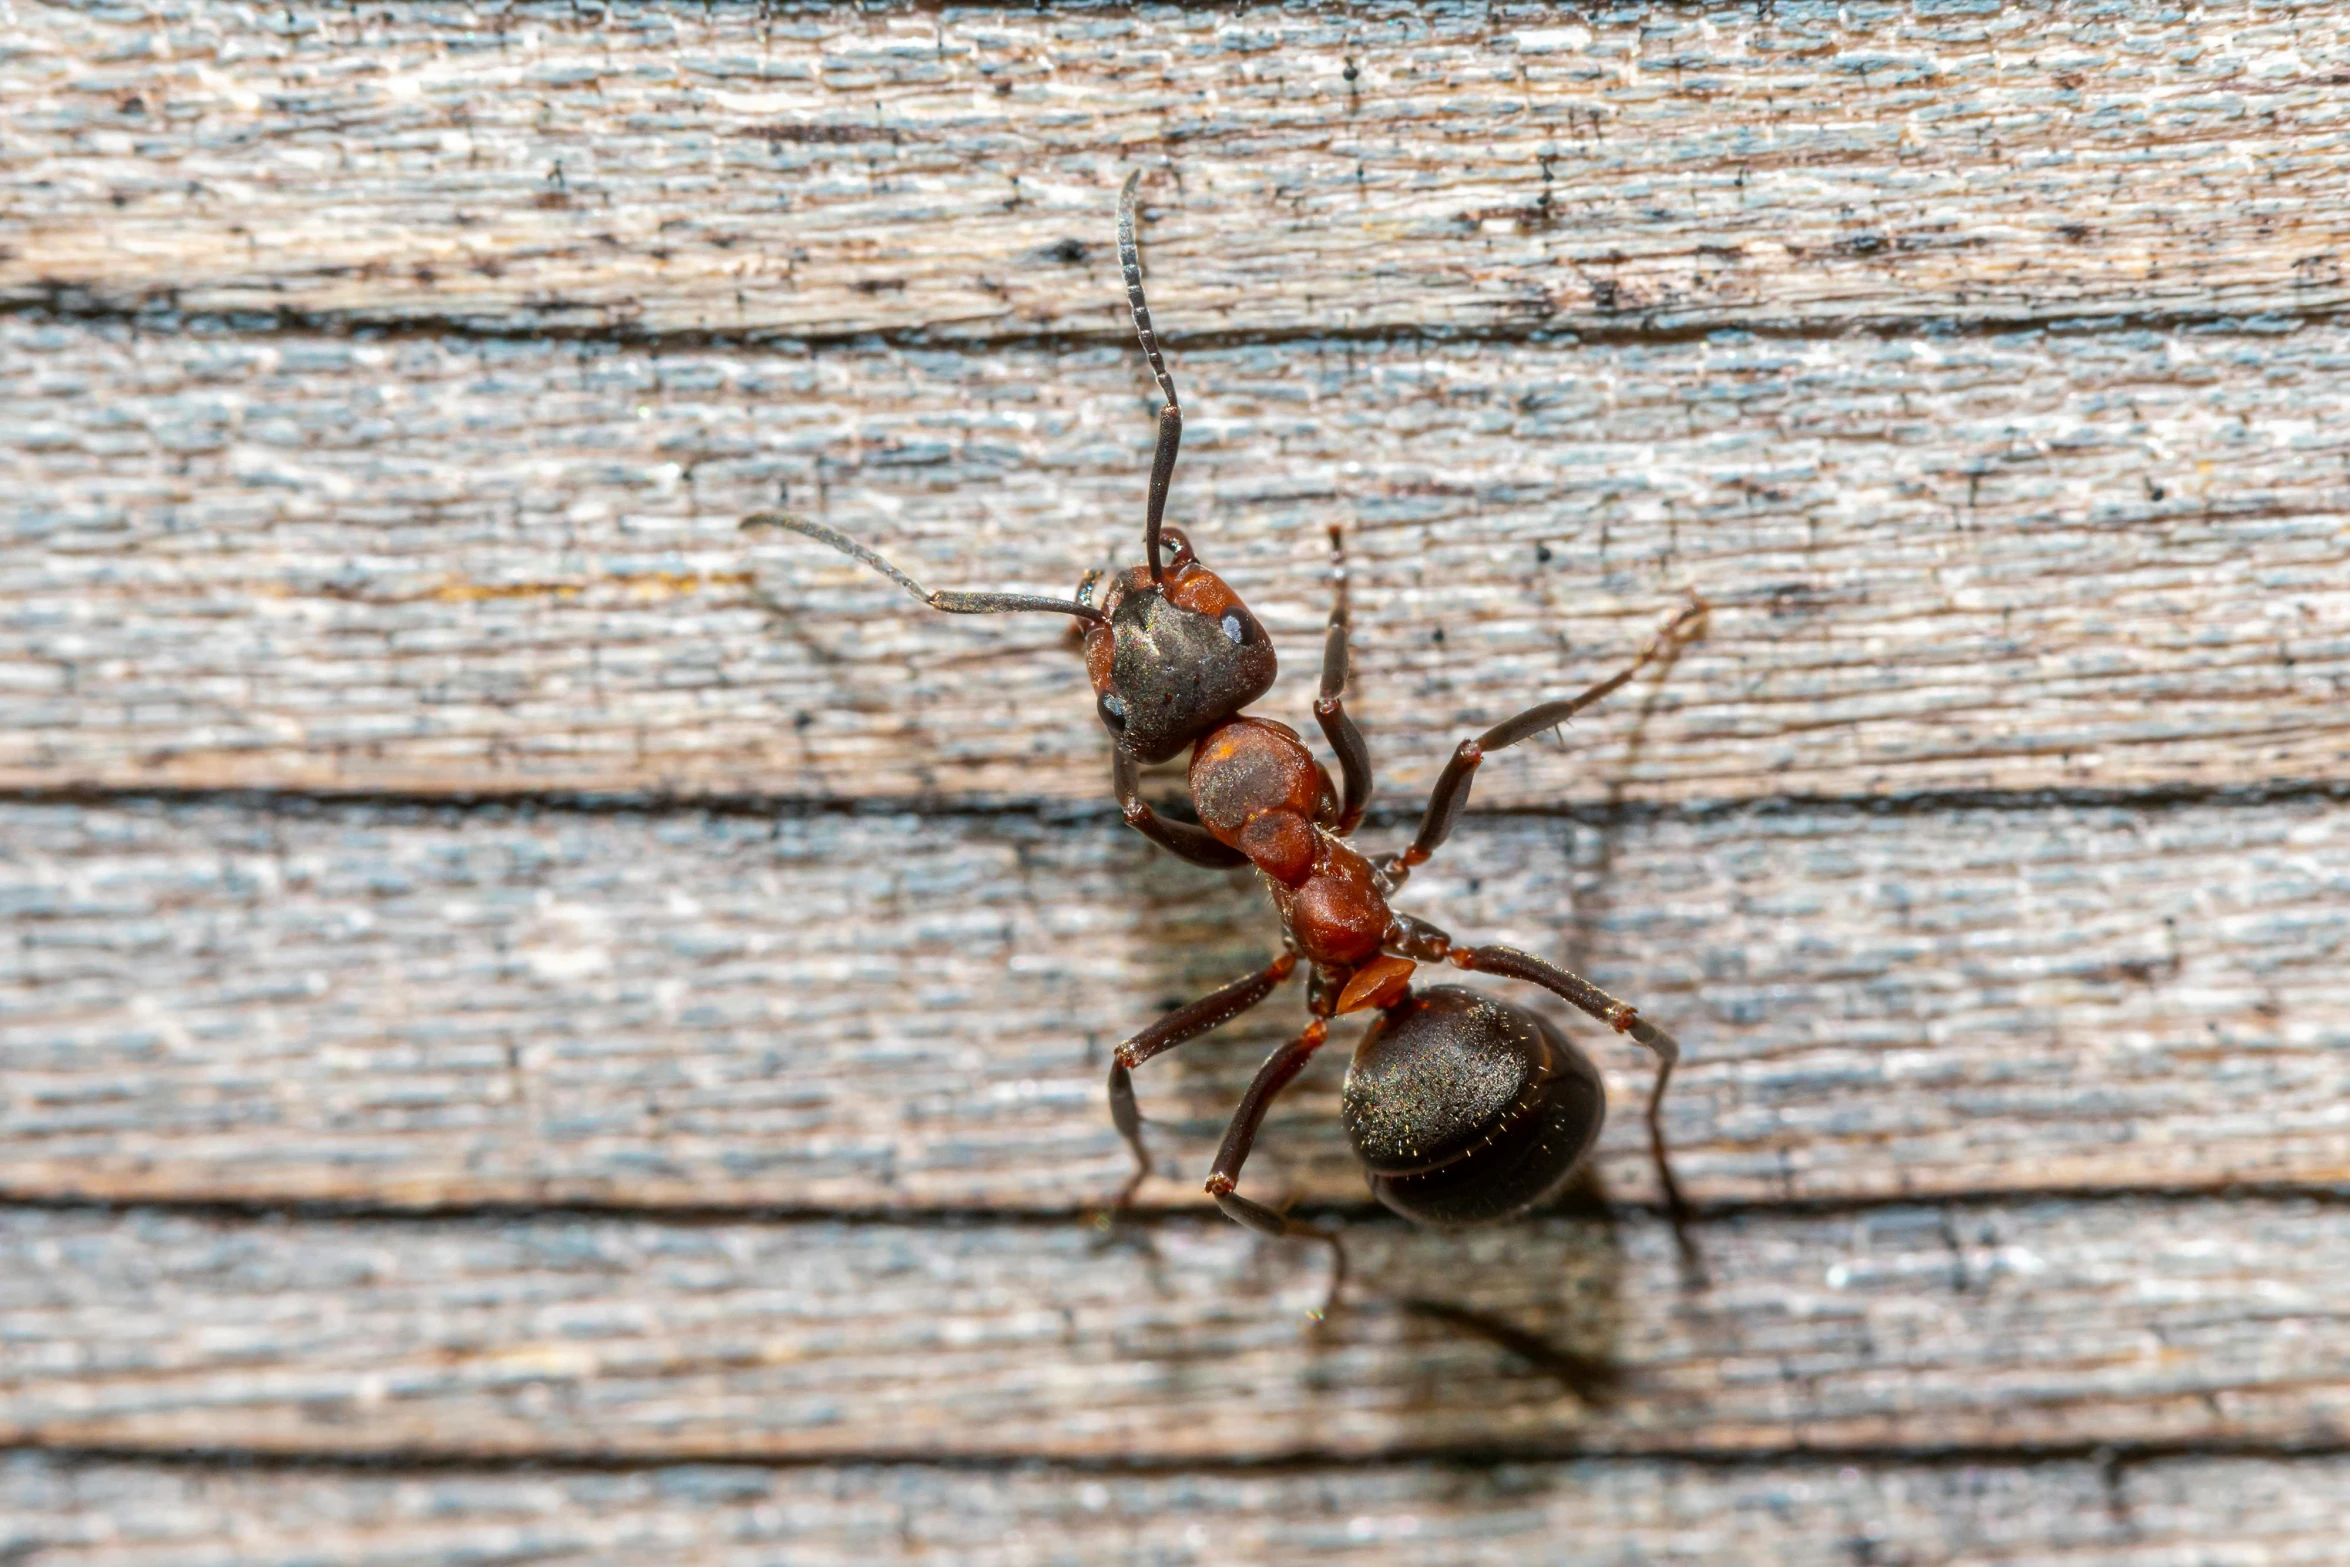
(1462, 1107)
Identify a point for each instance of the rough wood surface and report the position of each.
(1909, 1328)
(413, 1006)
(739, 169)
(2113, 560)
(1980, 364)
(1611, 1513)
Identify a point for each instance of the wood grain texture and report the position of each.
(1610, 1513)
(1486, 167)
(379, 387)
(2116, 560)
(397, 1006)
(1925, 1328)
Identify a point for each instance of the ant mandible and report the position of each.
(1462, 1107)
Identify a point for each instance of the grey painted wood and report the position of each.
(261, 543)
(951, 170)
(2116, 560)
(439, 1006)
(1908, 1328)
(2063, 1513)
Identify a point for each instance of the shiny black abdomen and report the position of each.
(1464, 1108)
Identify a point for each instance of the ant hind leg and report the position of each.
(1624, 1018)
(1253, 1215)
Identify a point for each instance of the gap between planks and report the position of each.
(2107, 1459)
(1392, 820)
(61, 304)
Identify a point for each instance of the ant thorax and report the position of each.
(1258, 789)
(1336, 915)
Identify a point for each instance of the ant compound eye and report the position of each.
(1237, 629)
(1113, 712)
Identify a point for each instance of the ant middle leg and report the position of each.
(1354, 757)
(1280, 1068)
(1451, 794)
(1185, 1022)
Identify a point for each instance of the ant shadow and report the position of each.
(1593, 902)
(1545, 1290)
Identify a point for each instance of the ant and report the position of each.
(1462, 1107)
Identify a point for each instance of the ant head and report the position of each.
(1176, 657)
(1465, 1108)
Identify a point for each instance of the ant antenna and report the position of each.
(1171, 416)
(952, 603)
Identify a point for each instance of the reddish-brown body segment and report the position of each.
(1259, 790)
(1339, 916)
(1382, 982)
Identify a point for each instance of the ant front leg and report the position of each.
(1186, 1022)
(1184, 840)
(1354, 757)
(1451, 794)
(1280, 1068)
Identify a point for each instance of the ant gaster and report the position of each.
(1461, 1106)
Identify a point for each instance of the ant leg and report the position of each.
(1451, 793)
(1624, 1019)
(1280, 1067)
(1182, 839)
(1185, 1022)
(1354, 758)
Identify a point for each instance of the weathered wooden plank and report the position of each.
(1634, 1512)
(2115, 560)
(844, 169)
(2147, 1323)
(410, 1006)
